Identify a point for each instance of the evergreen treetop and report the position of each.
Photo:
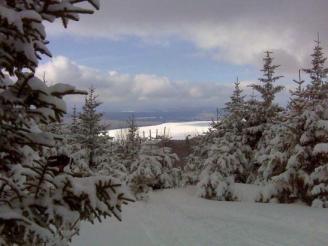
(298, 99)
(74, 123)
(236, 104)
(318, 73)
(267, 110)
(267, 89)
(91, 131)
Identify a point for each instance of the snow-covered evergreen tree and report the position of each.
(236, 107)
(261, 114)
(40, 203)
(227, 162)
(113, 162)
(131, 143)
(195, 160)
(91, 132)
(121, 153)
(74, 128)
(132, 137)
(298, 98)
(312, 161)
(281, 137)
(228, 156)
(302, 172)
(109, 160)
(318, 75)
(74, 147)
(60, 132)
(252, 118)
(154, 168)
(267, 88)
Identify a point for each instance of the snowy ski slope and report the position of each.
(178, 218)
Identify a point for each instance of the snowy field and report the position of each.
(178, 218)
(175, 130)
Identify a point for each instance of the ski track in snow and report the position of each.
(177, 218)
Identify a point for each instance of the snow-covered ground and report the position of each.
(178, 218)
(175, 130)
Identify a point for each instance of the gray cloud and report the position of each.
(235, 31)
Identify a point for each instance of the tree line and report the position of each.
(284, 150)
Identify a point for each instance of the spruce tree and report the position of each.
(112, 162)
(195, 160)
(282, 136)
(299, 99)
(228, 155)
(251, 114)
(236, 103)
(267, 89)
(262, 114)
(132, 142)
(302, 173)
(79, 165)
(40, 203)
(74, 124)
(92, 133)
(125, 150)
(236, 107)
(318, 74)
(74, 145)
(154, 168)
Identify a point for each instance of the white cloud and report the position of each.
(147, 85)
(235, 31)
(121, 91)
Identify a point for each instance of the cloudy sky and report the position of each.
(182, 54)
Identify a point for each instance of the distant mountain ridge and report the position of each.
(162, 116)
